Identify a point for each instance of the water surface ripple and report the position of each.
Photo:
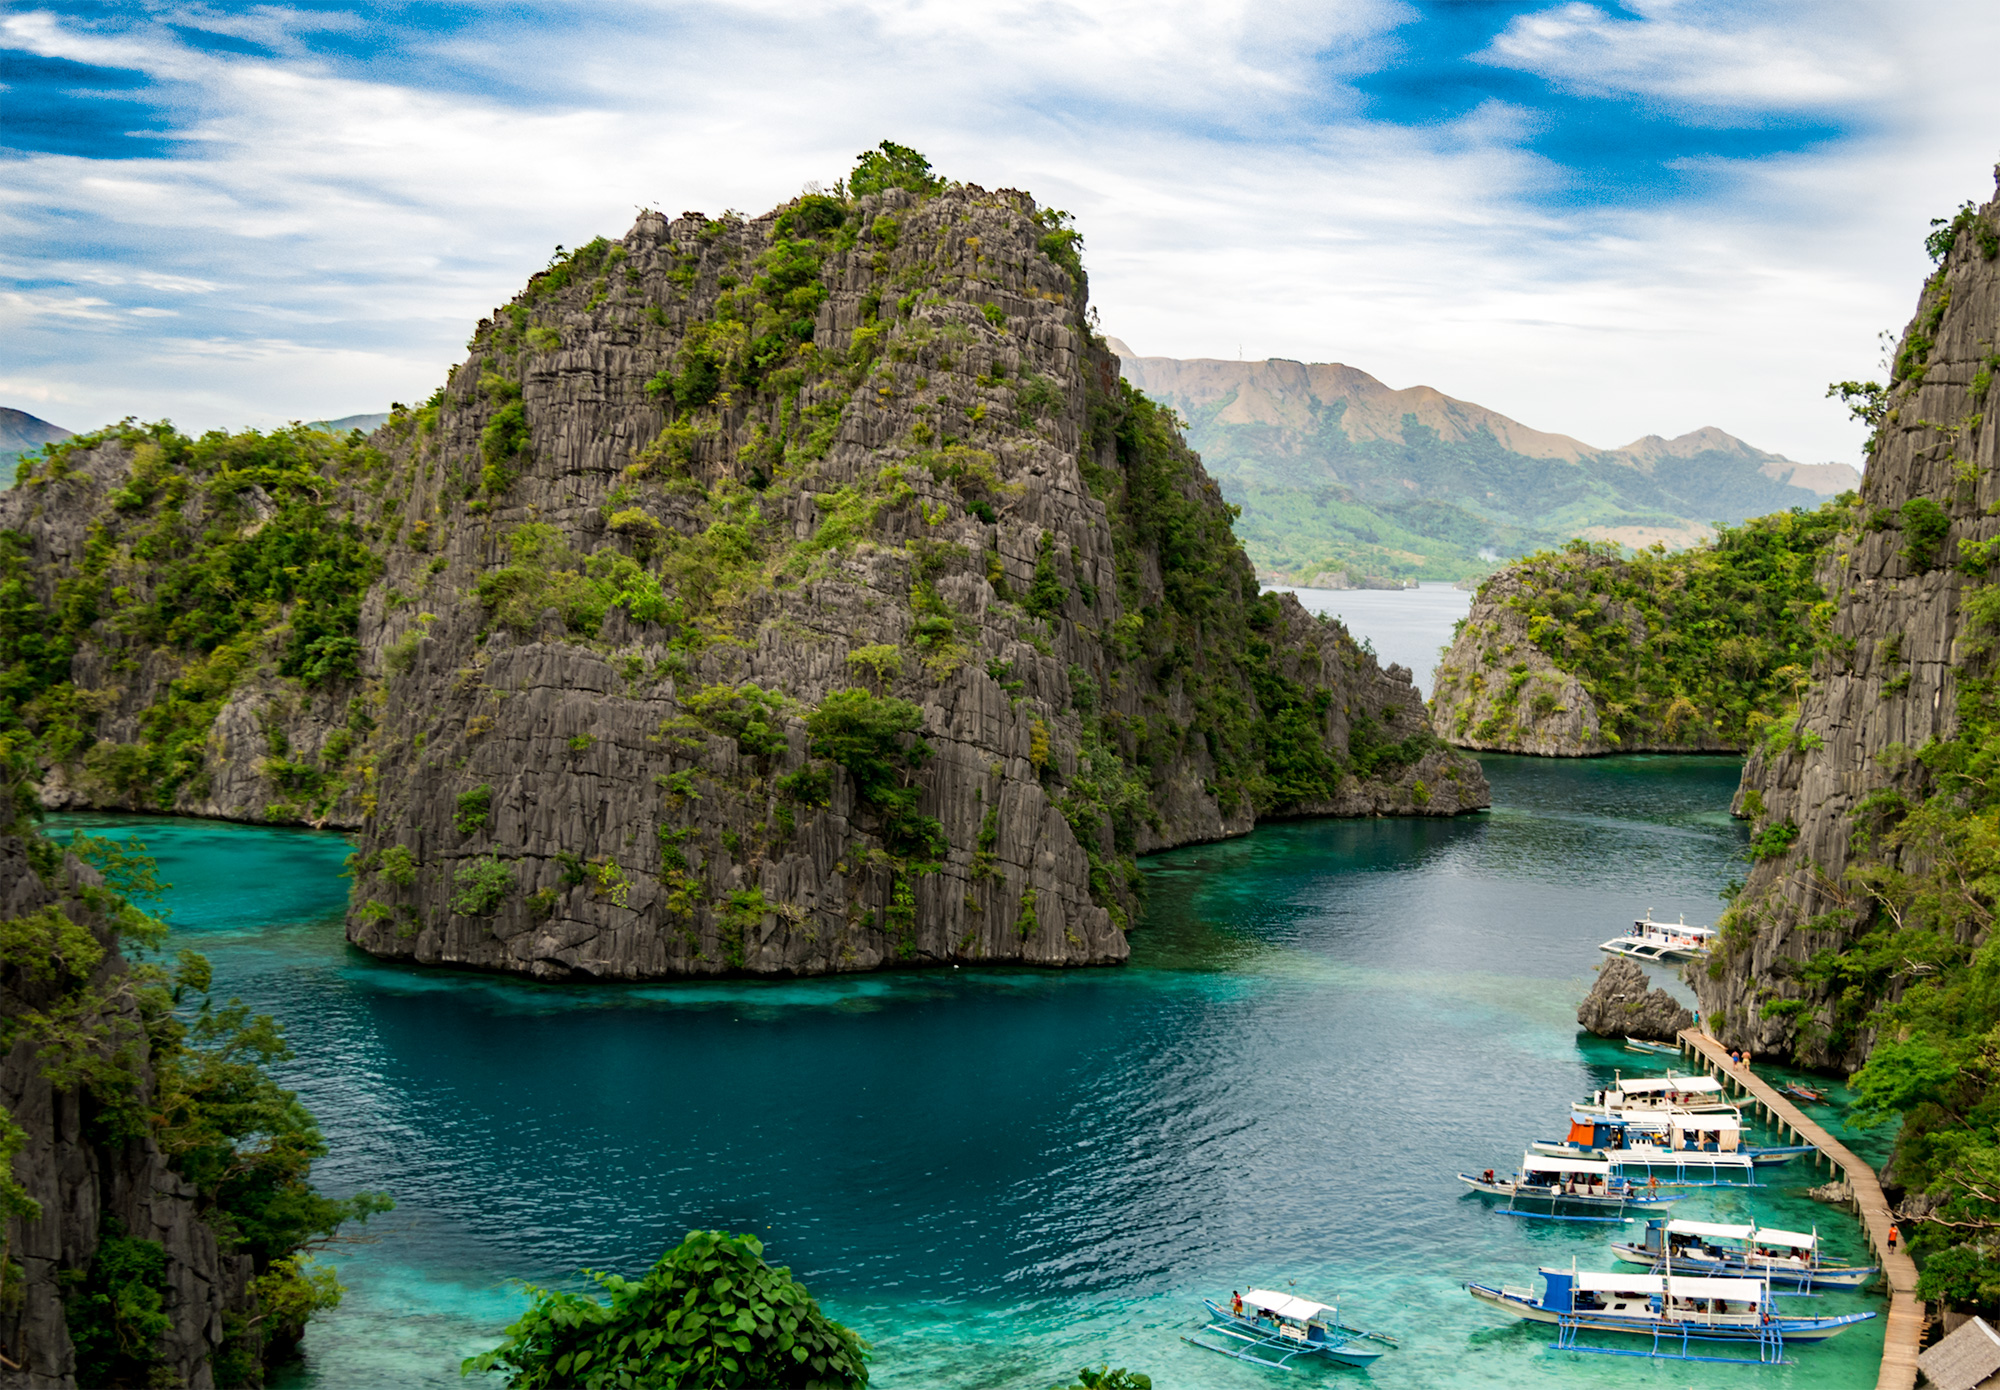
(997, 1176)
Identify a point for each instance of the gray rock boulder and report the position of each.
(1620, 1005)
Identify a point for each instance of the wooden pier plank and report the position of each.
(1903, 1333)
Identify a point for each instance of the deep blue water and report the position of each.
(999, 1175)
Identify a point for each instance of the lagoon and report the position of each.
(997, 1176)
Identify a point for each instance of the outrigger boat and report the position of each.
(1676, 1312)
(1571, 1182)
(1275, 1329)
(1647, 1095)
(1646, 1045)
(1677, 1139)
(1793, 1088)
(1661, 941)
(1788, 1258)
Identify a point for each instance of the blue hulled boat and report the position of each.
(1789, 1259)
(1676, 1313)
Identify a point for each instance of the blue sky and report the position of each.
(1601, 219)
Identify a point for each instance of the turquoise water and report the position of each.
(997, 1176)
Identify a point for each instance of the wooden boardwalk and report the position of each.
(1904, 1334)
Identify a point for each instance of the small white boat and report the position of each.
(1648, 1045)
(1790, 1259)
(1661, 941)
(1274, 1329)
(1674, 1311)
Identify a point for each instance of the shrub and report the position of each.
(399, 866)
(1925, 524)
(483, 884)
(473, 808)
(710, 1313)
(866, 734)
(1046, 596)
(890, 165)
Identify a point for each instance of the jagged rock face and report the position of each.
(1888, 681)
(80, 1179)
(689, 486)
(1621, 1005)
(1042, 623)
(1496, 691)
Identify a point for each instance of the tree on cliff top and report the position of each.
(890, 165)
(710, 1313)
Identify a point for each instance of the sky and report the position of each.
(1604, 220)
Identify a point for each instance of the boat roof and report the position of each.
(1542, 1163)
(1643, 1085)
(1684, 1119)
(1747, 1290)
(1644, 922)
(1762, 1235)
(1286, 1305)
(1618, 1283)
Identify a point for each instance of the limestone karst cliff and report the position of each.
(794, 594)
(1870, 885)
(1586, 651)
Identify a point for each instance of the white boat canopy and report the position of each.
(1537, 1163)
(1683, 1120)
(1742, 1290)
(1641, 1085)
(1285, 1305)
(1761, 1235)
(1616, 1283)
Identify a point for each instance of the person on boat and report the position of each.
(1236, 1302)
(1489, 1175)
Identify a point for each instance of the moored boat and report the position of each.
(1274, 1329)
(1647, 1045)
(1674, 1312)
(1789, 1259)
(1673, 1140)
(1588, 1184)
(1644, 1095)
(1801, 1092)
(1661, 941)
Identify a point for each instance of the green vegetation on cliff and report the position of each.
(221, 554)
(153, 1059)
(1867, 926)
(1700, 647)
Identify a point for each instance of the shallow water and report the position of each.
(997, 1176)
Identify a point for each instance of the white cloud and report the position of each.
(329, 237)
(1812, 59)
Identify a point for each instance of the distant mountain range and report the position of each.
(1343, 480)
(22, 433)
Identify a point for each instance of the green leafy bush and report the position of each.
(483, 884)
(710, 1313)
(473, 809)
(890, 165)
(875, 738)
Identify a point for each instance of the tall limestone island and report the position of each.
(1875, 808)
(1587, 650)
(788, 595)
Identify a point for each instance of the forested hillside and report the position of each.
(1344, 480)
(1589, 650)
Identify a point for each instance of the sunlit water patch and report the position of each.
(997, 1176)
